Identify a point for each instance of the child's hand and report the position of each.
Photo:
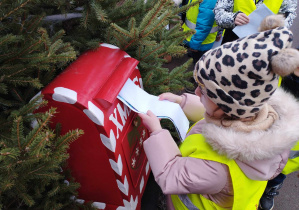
(241, 19)
(150, 121)
(171, 97)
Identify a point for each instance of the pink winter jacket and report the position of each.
(261, 154)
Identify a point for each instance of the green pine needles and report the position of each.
(32, 161)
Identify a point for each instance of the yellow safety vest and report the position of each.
(248, 6)
(293, 161)
(190, 23)
(247, 192)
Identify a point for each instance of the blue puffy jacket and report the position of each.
(203, 19)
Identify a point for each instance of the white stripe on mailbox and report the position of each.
(99, 205)
(109, 46)
(141, 184)
(81, 201)
(132, 205)
(110, 143)
(95, 114)
(66, 182)
(117, 166)
(64, 95)
(123, 187)
(38, 94)
(147, 168)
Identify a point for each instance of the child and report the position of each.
(248, 130)
(232, 13)
(289, 83)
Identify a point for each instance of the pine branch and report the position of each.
(177, 10)
(148, 78)
(151, 15)
(14, 10)
(18, 95)
(58, 36)
(34, 24)
(24, 81)
(6, 102)
(48, 115)
(28, 50)
(164, 17)
(37, 169)
(3, 88)
(121, 30)
(159, 47)
(54, 47)
(16, 72)
(8, 153)
(9, 38)
(69, 137)
(54, 191)
(85, 17)
(47, 175)
(26, 198)
(100, 13)
(18, 130)
(41, 144)
(26, 111)
(120, 40)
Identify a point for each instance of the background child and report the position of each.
(232, 13)
(248, 129)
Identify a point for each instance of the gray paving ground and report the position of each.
(288, 194)
(295, 29)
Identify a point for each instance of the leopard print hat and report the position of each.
(240, 76)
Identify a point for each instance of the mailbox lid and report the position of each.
(98, 74)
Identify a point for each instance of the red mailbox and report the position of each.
(108, 160)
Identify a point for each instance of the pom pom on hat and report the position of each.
(241, 76)
(285, 62)
(271, 22)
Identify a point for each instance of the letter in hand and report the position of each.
(171, 97)
(150, 121)
(241, 19)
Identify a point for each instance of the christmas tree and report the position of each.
(39, 39)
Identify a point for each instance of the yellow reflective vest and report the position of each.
(293, 161)
(247, 192)
(248, 6)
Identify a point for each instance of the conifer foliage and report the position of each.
(31, 171)
(38, 39)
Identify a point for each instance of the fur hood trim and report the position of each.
(262, 144)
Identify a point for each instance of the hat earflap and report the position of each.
(285, 62)
(271, 22)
